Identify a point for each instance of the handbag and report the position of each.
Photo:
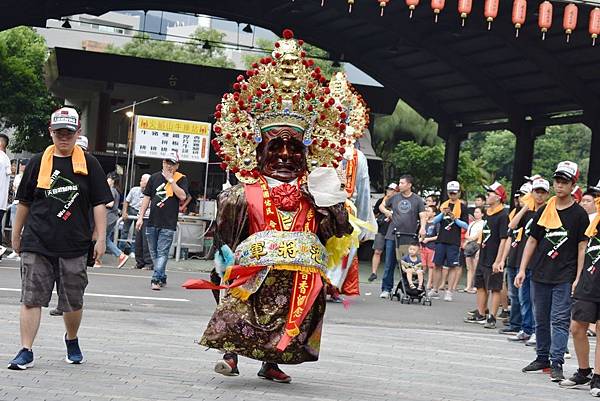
(471, 248)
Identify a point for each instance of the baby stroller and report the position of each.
(404, 292)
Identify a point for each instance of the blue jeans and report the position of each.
(513, 294)
(159, 243)
(527, 314)
(387, 283)
(110, 245)
(552, 316)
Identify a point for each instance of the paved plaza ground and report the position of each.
(140, 345)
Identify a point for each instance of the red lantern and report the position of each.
(437, 6)
(350, 3)
(545, 18)
(464, 9)
(412, 4)
(570, 20)
(382, 4)
(519, 13)
(490, 11)
(594, 27)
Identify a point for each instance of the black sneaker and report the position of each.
(537, 366)
(579, 378)
(372, 277)
(508, 330)
(595, 386)
(475, 311)
(504, 314)
(475, 318)
(556, 373)
(490, 323)
(74, 354)
(55, 312)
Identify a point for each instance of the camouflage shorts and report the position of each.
(40, 273)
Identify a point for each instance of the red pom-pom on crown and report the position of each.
(288, 34)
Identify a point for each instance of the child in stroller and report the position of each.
(408, 288)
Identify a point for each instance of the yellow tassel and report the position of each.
(240, 293)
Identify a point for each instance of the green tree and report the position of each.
(202, 48)
(497, 154)
(320, 56)
(426, 164)
(25, 102)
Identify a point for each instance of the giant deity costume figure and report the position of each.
(354, 174)
(285, 225)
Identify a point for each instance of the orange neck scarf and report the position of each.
(592, 229)
(492, 210)
(550, 218)
(456, 210)
(45, 173)
(169, 188)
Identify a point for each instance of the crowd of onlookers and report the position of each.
(533, 265)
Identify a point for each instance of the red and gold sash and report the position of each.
(351, 168)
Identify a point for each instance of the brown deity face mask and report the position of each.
(281, 154)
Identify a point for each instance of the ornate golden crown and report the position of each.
(354, 108)
(285, 89)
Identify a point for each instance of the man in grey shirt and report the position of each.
(406, 211)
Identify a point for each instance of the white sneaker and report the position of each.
(2, 250)
(531, 342)
(384, 294)
(448, 296)
(13, 255)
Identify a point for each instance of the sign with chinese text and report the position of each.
(158, 137)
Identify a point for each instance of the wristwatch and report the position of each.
(171, 180)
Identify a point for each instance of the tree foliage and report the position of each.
(426, 164)
(194, 51)
(320, 56)
(25, 102)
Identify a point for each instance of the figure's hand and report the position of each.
(451, 216)
(139, 223)
(498, 267)
(16, 242)
(124, 216)
(99, 248)
(168, 174)
(573, 286)
(519, 279)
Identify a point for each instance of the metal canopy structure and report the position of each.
(466, 78)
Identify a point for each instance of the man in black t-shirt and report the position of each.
(162, 194)
(555, 252)
(586, 311)
(57, 194)
(489, 275)
(453, 218)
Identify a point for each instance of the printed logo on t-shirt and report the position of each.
(557, 238)
(593, 252)
(404, 206)
(63, 190)
(161, 194)
(528, 227)
(486, 233)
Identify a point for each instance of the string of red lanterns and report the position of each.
(519, 14)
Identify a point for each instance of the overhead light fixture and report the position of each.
(66, 24)
(206, 46)
(247, 29)
(129, 113)
(166, 101)
(336, 64)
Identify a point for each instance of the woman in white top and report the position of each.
(471, 247)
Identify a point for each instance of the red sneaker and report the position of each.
(227, 367)
(271, 371)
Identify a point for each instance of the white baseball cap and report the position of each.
(525, 189)
(568, 170)
(532, 178)
(82, 141)
(540, 183)
(172, 157)
(65, 117)
(453, 186)
(393, 186)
